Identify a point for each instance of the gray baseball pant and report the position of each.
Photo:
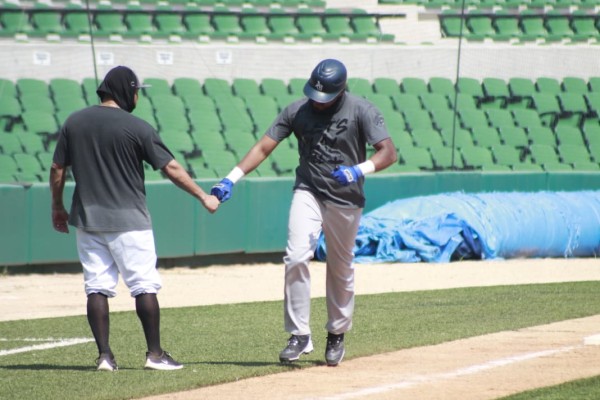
(308, 217)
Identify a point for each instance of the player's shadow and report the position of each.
(47, 367)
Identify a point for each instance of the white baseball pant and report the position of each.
(308, 217)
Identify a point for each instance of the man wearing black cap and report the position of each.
(333, 128)
(105, 147)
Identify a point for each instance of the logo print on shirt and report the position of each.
(323, 146)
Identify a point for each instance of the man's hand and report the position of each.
(222, 190)
(211, 203)
(60, 218)
(346, 175)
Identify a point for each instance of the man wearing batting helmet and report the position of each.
(333, 128)
(105, 147)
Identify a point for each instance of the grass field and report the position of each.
(225, 343)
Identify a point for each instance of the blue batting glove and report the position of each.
(222, 190)
(346, 175)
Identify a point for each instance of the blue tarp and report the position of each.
(446, 227)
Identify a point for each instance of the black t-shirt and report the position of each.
(337, 136)
(105, 148)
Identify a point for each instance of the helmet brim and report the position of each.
(319, 97)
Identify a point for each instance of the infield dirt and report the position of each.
(484, 367)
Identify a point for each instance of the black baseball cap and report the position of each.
(121, 84)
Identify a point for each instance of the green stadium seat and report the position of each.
(360, 86)
(282, 25)
(527, 167)
(547, 107)
(443, 86)
(296, 86)
(8, 168)
(338, 26)
(89, 86)
(233, 114)
(30, 168)
(366, 27)
(203, 122)
(263, 110)
(446, 158)
(464, 101)
(32, 102)
(593, 101)
(586, 166)
(253, 24)
(486, 136)
(227, 24)
(470, 86)
(532, 25)
(285, 160)
(63, 87)
(145, 111)
(496, 92)
(215, 87)
(594, 84)
(541, 135)
(558, 25)
(415, 86)
(456, 137)
(31, 143)
(427, 138)
(10, 143)
(198, 26)
(452, 24)
(443, 117)
(285, 100)
(8, 88)
(178, 141)
(243, 87)
(583, 26)
(32, 86)
(514, 136)
(544, 154)
(573, 153)
(506, 25)
(168, 24)
(394, 121)
(404, 101)
(387, 86)
(384, 103)
(46, 23)
(273, 87)
(239, 141)
(310, 26)
(185, 87)
(401, 138)
(138, 24)
(110, 23)
(10, 107)
(69, 104)
(76, 21)
(417, 119)
(568, 135)
(434, 101)
(476, 157)
(499, 118)
(505, 154)
(158, 87)
(14, 21)
(521, 92)
(573, 84)
(548, 85)
(472, 118)
(573, 107)
(417, 157)
(556, 167)
(479, 27)
(526, 118)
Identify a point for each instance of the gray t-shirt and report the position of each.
(105, 148)
(337, 136)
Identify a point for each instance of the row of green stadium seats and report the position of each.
(527, 25)
(480, 4)
(221, 23)
(263, 3)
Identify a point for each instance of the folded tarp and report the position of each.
(452, 226)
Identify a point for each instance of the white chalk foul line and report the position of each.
(45, 346)
(433, 378)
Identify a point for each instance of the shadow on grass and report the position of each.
(48, 367)
(294, 365)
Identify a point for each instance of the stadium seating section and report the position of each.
(520, 124)
(204, 20)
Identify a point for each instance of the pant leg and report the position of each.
(340, 226)
(100, 271)
(304, 228)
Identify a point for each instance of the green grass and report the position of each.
(582, 389)
(223, 343)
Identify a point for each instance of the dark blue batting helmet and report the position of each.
(327, 80)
